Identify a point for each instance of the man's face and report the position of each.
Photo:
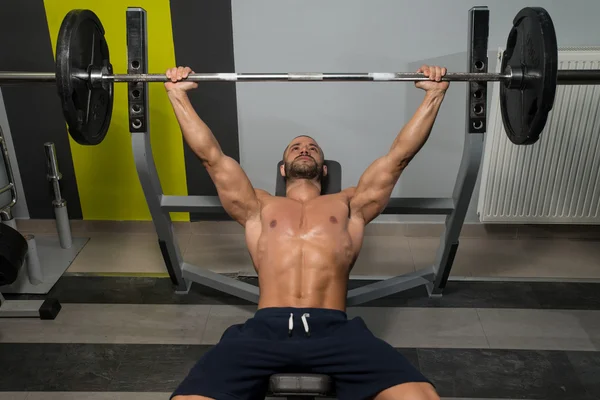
(303, 159)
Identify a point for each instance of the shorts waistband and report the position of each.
(270, 312)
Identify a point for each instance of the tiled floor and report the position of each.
(380, 255)
(575, 330)
(133, 338)
(504, 340)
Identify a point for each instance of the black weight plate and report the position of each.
(532, 49)
(13, 249)
(82, 47)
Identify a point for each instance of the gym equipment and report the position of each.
(565, 77)
(81, 47)
(16, 251)
(32, 260)
(13, 248)
(5, 211)
(531, 52)
(13, 251)
(85, 78)
(301, 386)
(63, 226)
(182, 274)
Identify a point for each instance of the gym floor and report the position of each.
(520, 318)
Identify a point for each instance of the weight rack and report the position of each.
(182, 274)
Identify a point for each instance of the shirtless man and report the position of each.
(303, 247)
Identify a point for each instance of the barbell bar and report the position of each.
(84, 76)
(564, 77)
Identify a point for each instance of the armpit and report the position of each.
(349, 192)
(263, 197)
(261, 193)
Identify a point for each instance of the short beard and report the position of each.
(295, 171)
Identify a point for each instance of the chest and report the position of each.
(324, 213)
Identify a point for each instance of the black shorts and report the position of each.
(322, 342)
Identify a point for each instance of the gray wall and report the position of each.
(356, 122)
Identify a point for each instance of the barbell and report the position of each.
(85, 79)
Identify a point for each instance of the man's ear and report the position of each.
(324, 170)
(282, 169)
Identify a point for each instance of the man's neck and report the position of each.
(303, 190)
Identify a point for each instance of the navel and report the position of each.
(333, 220)
(273, 223)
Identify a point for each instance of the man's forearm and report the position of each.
(195, 132)
(415, 133)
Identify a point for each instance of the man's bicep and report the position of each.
(234, 189)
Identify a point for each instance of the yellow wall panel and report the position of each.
(108, 184)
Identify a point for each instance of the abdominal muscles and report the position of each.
(304, 269)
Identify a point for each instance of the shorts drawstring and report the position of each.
(304, 322)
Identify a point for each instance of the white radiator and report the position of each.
(557, 179)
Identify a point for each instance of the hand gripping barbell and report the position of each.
(85, 79)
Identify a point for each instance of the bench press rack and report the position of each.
(182, 274)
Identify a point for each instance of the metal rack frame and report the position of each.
(455, 208)
(43, 309)
(5, 210)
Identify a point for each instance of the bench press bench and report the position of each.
(301, 386)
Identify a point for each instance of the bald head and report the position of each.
(299, 140)
(303, 159)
